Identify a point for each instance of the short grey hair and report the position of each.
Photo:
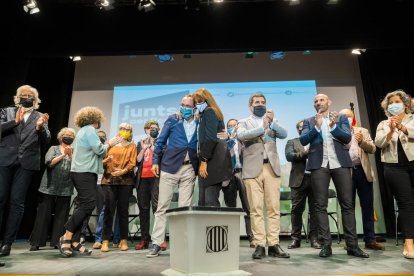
(63, 131)
(405, 98)
(127, 126)
(26, 87)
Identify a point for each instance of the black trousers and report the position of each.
(50, 207)
(116, 197)
(147, 193)
(299, 195)
(341, 177)
(85, 185)
(365, 192)
(230, 198)
(14, 183)
(401, 182)
(209, 194)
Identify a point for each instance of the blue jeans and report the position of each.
(99, 228)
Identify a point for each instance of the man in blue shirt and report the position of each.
(176, 163)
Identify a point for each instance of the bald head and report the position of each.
(321, 102)
(347, 112)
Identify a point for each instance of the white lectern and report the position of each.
(204, 241)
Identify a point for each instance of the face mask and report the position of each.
(67, 140)
(300, 131)
(259, 110)
(125, 135)
(201, 106)
(27, 102)
(103, 139)
(395, 108)
(229, 130)
(153, 133)
(186, 112)
(350, 121)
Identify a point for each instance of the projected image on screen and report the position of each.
(291, 101)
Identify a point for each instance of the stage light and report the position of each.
(165, 58)
(75, 58)
(104, 4)
(332, 2)
(294, 2)
(146, 5)
(192, 5)
(250, 54)
(306, 52)
(358, 51)
(277, 55)
(218, 1)
(31, 7)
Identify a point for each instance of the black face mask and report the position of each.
(154, 133)
(300, 131)
(27, 102)
(259, 110)
(103, 139)
(67, 140)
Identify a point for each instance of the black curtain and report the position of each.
(53, 78)
(383, 71)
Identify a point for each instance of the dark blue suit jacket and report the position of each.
(341, 137)
(174, 140)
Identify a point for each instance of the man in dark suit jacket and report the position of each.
(300, 186)
(328, 136)
(177, 144)
(23, 130)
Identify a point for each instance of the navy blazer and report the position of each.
(341, 137)
(22, 141)
(172, 146)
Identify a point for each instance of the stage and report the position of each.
(303, 261)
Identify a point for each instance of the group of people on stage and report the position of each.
(237, 157)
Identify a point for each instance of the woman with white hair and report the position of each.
(395, 138)
(55, 192)
(117, 183)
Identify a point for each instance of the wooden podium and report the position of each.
(204, 241)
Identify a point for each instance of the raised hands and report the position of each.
(19, 115)
(358, 136)
(42, 120)
(333, 116)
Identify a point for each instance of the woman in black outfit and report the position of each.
(215, 160)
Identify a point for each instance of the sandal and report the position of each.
(65, 251)
(78, 252)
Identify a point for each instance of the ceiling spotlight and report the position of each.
(165, 58)
(332, 2)
(358, 51)
(146, 5)
(218, 1)
(294, 2)
(31, 7)
(277, 55)
(75, 58)
(104, 4)
(306, 52)
(193, 5)
(250, 54)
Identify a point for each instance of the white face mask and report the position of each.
(350, 121)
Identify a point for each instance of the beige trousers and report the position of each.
(264, 190)
(184, 179)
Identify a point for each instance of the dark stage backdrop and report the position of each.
(53, 77)
(383, 71)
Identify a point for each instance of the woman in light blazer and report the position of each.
(395, 138)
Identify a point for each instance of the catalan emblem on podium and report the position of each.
(216, 239)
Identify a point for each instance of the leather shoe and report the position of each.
(5, 250)
(326, 251)
(277, 251)
(259, 253)
(357, 252)
(374, 246)
(294, 244)
(315, 244)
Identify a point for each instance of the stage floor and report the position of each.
(303, 261)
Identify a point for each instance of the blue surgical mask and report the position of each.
(186, 112)
(350, 121)
(201, 106)
(229, 130)
(395, 108)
